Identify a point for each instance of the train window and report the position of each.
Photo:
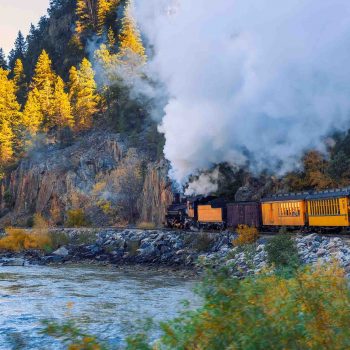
(336, 207)
(332, 207)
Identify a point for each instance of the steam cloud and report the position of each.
(249, 82)
(206, 183)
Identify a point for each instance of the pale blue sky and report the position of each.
(17, 15)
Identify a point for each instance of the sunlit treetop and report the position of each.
(130, 38)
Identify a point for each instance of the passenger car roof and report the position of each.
(333, 193)
(341, 192)
(286, 197)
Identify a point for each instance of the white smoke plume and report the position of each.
(249, 82)
(205, 184)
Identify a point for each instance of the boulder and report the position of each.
(63, 251)
(13, 262)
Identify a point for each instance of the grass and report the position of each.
(282, 251)
(19, 239)
(145, 225)
(201, 241)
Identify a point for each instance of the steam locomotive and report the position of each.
(313, 209)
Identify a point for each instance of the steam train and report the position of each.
(318, 210)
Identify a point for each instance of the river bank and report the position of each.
(186, 252)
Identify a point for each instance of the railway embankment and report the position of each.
(176, 249)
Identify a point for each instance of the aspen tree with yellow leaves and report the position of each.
(86, 13)
(61, 105)
(10, 118)
(43, 84)
(104, 9)
(6, 142)
(32, 114)
(48, 104)
(83, 95)
(111, 39)
(130, 43)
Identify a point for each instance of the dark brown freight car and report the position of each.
(243, 213)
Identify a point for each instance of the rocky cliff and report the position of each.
(97, 174)
(156, 194)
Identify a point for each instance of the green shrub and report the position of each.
(59, 239)
(70, 333)
(76, 218)
(201, 242)
(268, 311)
(8, 198)
(282, 251)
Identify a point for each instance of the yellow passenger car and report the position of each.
(284, 210)
(329, 208)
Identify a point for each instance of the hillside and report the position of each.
(57, 96)
(75, 93)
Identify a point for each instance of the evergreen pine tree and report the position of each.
(3, 61)
(19, 79)
(130, 43)
(18, 51)
(83, 95)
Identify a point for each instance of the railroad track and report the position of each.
(345, 235)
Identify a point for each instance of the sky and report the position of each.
(17, 15)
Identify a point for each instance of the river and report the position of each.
(102, 300)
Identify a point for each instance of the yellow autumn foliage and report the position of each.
(246, 235)
(19, 239)
(308, 310)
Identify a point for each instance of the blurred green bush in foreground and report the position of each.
(309, 309)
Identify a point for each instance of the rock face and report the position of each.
(54, 180)
(254, 189)
(156, 194)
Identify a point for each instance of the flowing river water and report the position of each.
(102, 300)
